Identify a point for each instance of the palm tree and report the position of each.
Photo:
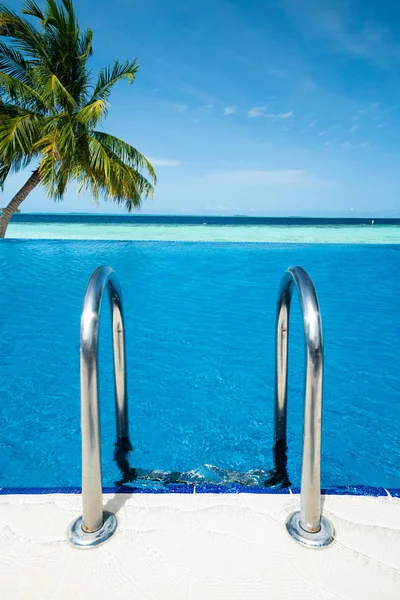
(50, 111)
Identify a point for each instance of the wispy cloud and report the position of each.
(369, 108)
(278, 116)
(257, 111)
(260, 111)
(352, 145)
(289, 177)
(345, 30)
(221, 208)
(230, 110)
(205, 107)
(164, 162)
(181, 108)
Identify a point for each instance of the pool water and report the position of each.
(200, 326)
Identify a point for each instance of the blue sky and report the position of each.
(285, 107)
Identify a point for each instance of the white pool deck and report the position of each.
(199, 547)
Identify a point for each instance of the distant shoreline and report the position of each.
(197, 219)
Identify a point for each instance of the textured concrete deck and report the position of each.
(199, 547)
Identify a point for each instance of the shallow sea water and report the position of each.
(330, 234)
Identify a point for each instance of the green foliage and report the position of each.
(50, 110)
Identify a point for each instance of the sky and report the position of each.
(256, 107)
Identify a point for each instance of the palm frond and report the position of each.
(127, 153)
(91, 114)
(99, 160)
(57, 149)
(48, 167)
(68, 48)
(4, 171)
(18, 135)
(13, 63)
(56, 16)
(109, 76)
(20, 93)
(85, 48)
(54, 93)
(88, 182)
(104, 174)
(13, 110)
(26, 38)
(32, 9)
(122, 182)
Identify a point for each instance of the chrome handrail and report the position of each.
(95, 526)
(308, 526)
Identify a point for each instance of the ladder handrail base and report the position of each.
(78, 538)
(320, 539)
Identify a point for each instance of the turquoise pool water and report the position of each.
(200, 324)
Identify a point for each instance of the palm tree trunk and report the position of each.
(19, 197)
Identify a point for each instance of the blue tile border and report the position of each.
(349, 490)
(355, 490)
(237, 488)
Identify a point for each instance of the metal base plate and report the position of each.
(321, 539)
(78, 538)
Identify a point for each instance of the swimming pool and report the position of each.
(200, 322)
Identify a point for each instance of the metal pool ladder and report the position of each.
(95, 526)
(308, 526)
